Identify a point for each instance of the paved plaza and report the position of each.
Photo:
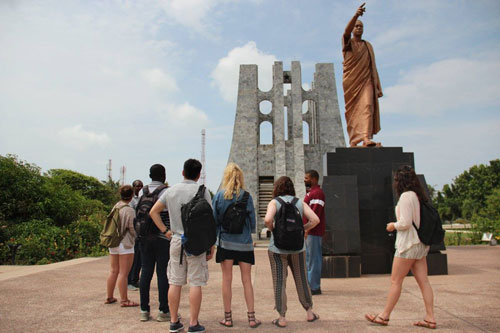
(69, 296)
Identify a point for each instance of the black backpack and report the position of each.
(143, 224)
(431, 228)
(288, 229)
(235, 216)
(199, 224)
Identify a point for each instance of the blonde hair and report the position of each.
(232, 181)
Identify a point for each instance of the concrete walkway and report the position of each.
(69, 296)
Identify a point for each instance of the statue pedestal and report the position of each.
(359, 203)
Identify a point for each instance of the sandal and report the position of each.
(316, 317)
(110, 300)
(276, 322)
(251, 319)
(376, 319)
(228, 319)
(427, 324)
(128, 303)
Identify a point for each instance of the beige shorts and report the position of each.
(417, 251)
(193, 268)
(120, 249)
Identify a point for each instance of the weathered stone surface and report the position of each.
(285, 156)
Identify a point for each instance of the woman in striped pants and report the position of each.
(280, 259)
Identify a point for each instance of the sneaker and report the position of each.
(176, 327)
(145, 315)
(196, 328)
(316, 291)
(162, 316)
(131, 287)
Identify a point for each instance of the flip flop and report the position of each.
(276, 322)
(373, 319)
(128, 304)
(316, 317)
(110, 300)
(427, 324)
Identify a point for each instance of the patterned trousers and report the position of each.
(279, 270)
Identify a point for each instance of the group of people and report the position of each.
(175, 267)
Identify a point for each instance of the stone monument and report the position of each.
(263, 163)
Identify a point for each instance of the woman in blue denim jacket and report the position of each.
(235, 248)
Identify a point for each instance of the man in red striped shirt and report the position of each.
(315, 198)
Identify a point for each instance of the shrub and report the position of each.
(21, 193)
(89, 187)
(43, 242)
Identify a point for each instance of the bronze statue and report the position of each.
(361, 84)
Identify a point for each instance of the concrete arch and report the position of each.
(266, 133)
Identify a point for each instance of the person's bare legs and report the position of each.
(125, 263)
(174, 297)
(400, 268)
(113, 275)
(227, 279)
(419, 270)
(246, 280)
(194, 304)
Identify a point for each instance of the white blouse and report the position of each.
(407, 211)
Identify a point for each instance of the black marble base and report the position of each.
(341, 266)
(437, 264)
(368, 174)
(342, 216)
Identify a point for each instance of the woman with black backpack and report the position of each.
(287, 247)
(235, 218)
(410, 252)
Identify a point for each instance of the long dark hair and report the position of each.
(405, 179)
(283, 186)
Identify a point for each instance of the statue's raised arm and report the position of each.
(350, 26)
(361, 84)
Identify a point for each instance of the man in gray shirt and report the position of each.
(193, 268)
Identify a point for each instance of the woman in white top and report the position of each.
(410, 252)
(122, 256)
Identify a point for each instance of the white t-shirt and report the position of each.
(177, 195)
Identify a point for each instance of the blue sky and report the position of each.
(135, 81)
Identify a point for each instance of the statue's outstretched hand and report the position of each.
(361, 10)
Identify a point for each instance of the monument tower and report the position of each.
(286, 156)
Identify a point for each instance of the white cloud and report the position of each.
(184, 116)
(226, 73)
(402, 36)
(190, 13)
(81, 139)
(157, 78)
(445, 85)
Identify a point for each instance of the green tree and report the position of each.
(64, 205)
(466, 196)
(487, 219)
(21, 189)
(89, 187)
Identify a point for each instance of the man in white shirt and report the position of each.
(194, 268)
